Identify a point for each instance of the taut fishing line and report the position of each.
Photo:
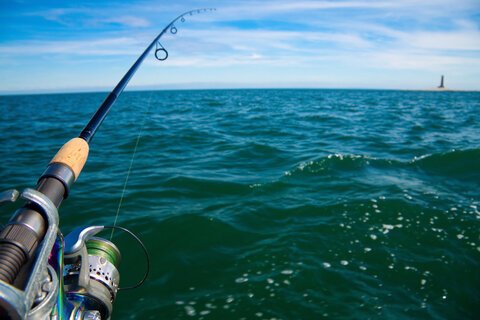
(161, 54)
(131, 163)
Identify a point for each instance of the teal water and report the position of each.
(273, 204)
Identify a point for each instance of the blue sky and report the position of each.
(61, 46)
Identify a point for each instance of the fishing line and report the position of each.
(147, 111)
(97, 119)
(145, 251)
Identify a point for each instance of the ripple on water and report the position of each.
(343, 203)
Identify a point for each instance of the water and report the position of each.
(274, 204)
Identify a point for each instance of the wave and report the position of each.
(458, 164)
(213, 102)
(338, 162)
(461, 164)
(201, 231)
(196, 187)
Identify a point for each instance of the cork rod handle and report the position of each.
(73, 154)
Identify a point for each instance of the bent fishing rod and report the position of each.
(44, 275)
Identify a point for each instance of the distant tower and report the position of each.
(441, 86)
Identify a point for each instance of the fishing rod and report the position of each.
(45, 275)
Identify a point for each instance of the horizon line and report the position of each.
(199, 88)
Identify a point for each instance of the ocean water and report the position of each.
(273, 204)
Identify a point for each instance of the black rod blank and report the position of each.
(89, 131)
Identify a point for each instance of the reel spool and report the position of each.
(104, 260)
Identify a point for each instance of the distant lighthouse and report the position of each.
(441, 86)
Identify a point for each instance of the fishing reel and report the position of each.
(90, 274)
(75, 277)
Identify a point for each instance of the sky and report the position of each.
(70, 46)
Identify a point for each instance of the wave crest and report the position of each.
(458, 164)
(336, 162)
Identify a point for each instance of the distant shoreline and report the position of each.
(27, 93)
(441, 89)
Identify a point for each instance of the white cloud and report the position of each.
(129, 21)
(422, 9)
(91, 47)
(405, 60)
(456, 40)
(391, 36)
(92, 17)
